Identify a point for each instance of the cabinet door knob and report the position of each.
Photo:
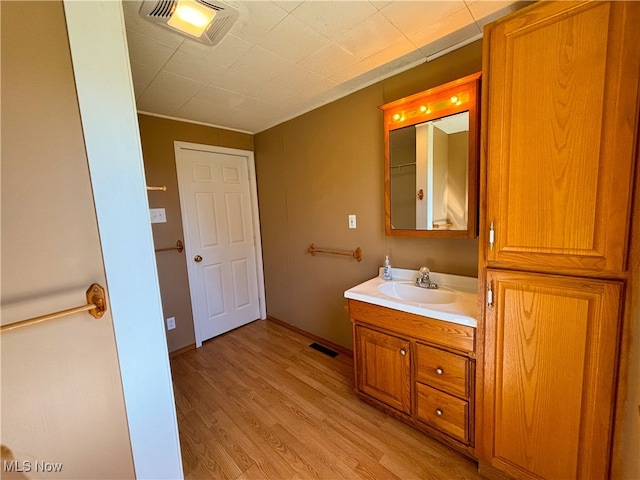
(439, 371)
(403, 351)
(439, 412)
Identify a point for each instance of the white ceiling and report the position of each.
(284, 58)
(453, 123)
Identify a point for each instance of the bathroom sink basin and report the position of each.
(409, 292)
(456, 300)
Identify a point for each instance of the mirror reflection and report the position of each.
(429, 174)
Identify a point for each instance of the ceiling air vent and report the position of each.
(205, 21)
(163, 8)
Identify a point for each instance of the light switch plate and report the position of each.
(157, 215)
(352, 221)
(171, 323)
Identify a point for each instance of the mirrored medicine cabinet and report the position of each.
(431, 142)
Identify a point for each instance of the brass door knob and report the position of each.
(197, 258)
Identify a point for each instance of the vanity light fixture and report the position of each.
(205, 21)
(439, 104)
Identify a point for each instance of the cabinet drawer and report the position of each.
(442, 411)
(443, 370)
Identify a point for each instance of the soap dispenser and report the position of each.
(386, 271)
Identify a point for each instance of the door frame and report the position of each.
(255, 218)
(106, 100)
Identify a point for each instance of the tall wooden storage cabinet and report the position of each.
(560, 121)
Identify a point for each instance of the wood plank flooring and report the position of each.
(259, 403)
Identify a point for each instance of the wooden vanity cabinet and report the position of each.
(560, 124)
(418, 369)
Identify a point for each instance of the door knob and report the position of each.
(197, 258)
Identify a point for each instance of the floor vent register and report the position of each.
(325, 350)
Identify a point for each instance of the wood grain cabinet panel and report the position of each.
(383, 367)
(410, 325)
(549, 374)
(562, 99)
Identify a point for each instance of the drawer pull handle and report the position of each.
(439, 371)
(439, 412)
(403, 352)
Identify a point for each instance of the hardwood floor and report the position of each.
(259, 403)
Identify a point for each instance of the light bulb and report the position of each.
(191, 17)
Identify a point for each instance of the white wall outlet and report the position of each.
(171, 323)
(157, 215)
(352, 221)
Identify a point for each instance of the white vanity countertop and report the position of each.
(463, 311)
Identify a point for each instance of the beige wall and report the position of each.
(315, 170)
(157, 136)
(458, 176)
(62, 398)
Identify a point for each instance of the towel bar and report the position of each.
(96, 306)
(179, 247)
(357, 253)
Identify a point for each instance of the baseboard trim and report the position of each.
(315, 338)
(182, 350)
(489, 472)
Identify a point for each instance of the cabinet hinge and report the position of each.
(490, 295)
(492, 236)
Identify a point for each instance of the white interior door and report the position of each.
(219, 217)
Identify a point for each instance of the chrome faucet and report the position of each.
(423, 281)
